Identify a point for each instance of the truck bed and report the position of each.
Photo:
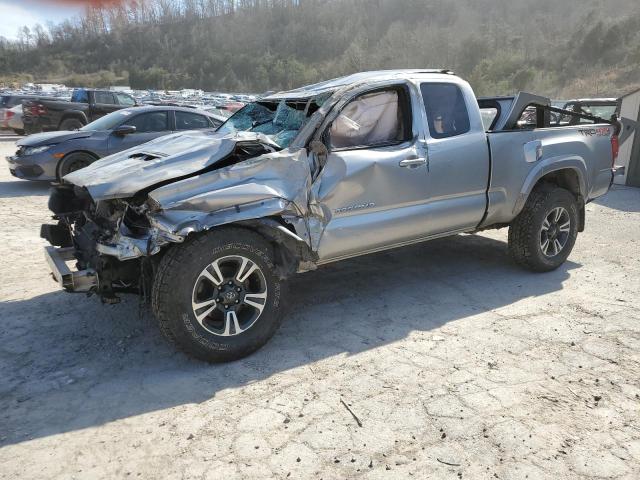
(530, 154)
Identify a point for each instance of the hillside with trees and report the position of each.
(558, 48)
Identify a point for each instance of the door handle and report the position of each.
(413, 161)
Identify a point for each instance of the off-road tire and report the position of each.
(74, 161)
(525, 230)
(70, 124)
(173, 287)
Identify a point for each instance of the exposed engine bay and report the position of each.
(117, 237)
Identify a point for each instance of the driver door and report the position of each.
(374, 181)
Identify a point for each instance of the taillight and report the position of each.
(38, 109)
(8, 114)
(615, 148)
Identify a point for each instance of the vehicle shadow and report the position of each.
(621, 197)
(71, 363)
(23, 188)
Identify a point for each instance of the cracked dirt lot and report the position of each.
(457, 363)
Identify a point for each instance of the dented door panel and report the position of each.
(372, 200)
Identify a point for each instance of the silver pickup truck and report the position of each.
(208, 226)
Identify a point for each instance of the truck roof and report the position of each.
(336, 83)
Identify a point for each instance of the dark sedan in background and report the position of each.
(50, 156)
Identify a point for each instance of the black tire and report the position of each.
(18, 131)
(30, 130)
(527, 234)
(177, 282)
(74, 161)
(70, 124)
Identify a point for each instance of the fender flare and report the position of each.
(549, 165)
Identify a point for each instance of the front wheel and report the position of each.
(74, 161)
(217, 297)
(544, 233)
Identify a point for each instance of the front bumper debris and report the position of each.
(70, 280)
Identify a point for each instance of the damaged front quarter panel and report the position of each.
(193, 181)
(274, 184)
(271, 185)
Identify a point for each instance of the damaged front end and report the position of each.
(107, 240)
(115, 217)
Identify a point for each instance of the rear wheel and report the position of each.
(74, 161)
(217, 297)
(71, 124)
(17, 131)
(544, 233)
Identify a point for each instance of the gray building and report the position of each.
(629, 156)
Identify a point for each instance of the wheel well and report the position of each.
(74, 116)
(86, 152)
(289, 253)
(568, 179)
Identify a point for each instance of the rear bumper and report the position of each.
(70, 280)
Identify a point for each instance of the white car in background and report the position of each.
(14, 119)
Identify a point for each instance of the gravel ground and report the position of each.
(456, 363)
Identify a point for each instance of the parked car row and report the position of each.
(11, 112)
(35, 113)
(52, 155)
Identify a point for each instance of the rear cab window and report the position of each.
(125, 100)
(105, 98)
(446, 109)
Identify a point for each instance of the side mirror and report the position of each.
(123, 130)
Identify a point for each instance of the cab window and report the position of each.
(371, 120)
(125, 100)
(191, 121)
(149, 122)
(104, 98)
(446, 109)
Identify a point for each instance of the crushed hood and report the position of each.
(166, 158)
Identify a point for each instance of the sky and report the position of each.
(17, 13)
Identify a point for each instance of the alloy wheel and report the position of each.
(555, 231)
(229, 295)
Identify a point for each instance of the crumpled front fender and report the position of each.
(272, 184)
